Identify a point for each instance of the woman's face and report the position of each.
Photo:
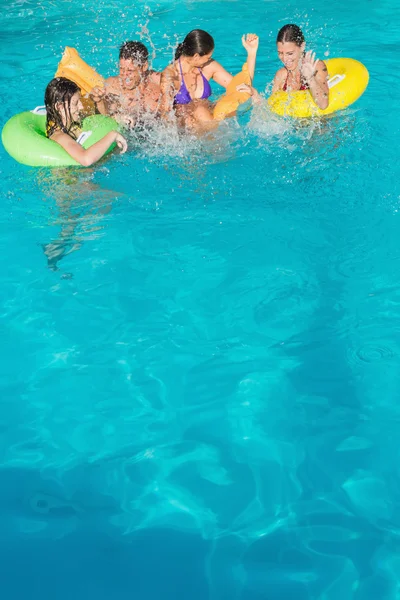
(200, 61)
(290, 54)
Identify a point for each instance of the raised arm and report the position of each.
(315, 73)
(214, 70)
(250, 43)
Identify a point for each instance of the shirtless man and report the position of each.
(132, 93)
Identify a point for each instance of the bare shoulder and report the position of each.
(280, 74)
(279, 80)
(169, 71)
(65, 140)
(111, 84)
(58, 135)
(152, 89)
(211, 67)
(169, 77)
(155, 77)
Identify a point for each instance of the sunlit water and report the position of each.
(201, 354)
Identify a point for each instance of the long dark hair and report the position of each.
(196, 42)
(59, 91)
(291, 33)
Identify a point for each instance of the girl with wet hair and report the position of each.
(63, 123)
(185, 84)
(301, 70)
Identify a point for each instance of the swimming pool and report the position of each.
(200, 341)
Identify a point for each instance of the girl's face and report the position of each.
(76, 107)
(73, 111)
(290, 54)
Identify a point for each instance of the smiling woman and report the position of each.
(185, 83)
(301, 71)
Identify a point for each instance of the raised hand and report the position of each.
(97, 94)
(243, 87)
(248, 89)
(250, 43)
(309, 66)
(121, 143)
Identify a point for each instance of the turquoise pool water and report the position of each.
(201, 353)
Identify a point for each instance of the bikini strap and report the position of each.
(284, 87)
(204, 78)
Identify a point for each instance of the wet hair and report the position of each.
(135, 51)
(291, 33)
(196, 42)
(59, 91)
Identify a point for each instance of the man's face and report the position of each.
(130, 73)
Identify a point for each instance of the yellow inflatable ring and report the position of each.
(230, 101)
(75, 69)
(348, 80)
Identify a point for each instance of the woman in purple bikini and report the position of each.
(185, 84)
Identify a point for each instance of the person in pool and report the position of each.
(63, 108)
(134, 91)
(302, 70)
(185, 84)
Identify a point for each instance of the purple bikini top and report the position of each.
(183, 96)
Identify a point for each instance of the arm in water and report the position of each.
(94, 153)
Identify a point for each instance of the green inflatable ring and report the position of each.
(24, 138)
